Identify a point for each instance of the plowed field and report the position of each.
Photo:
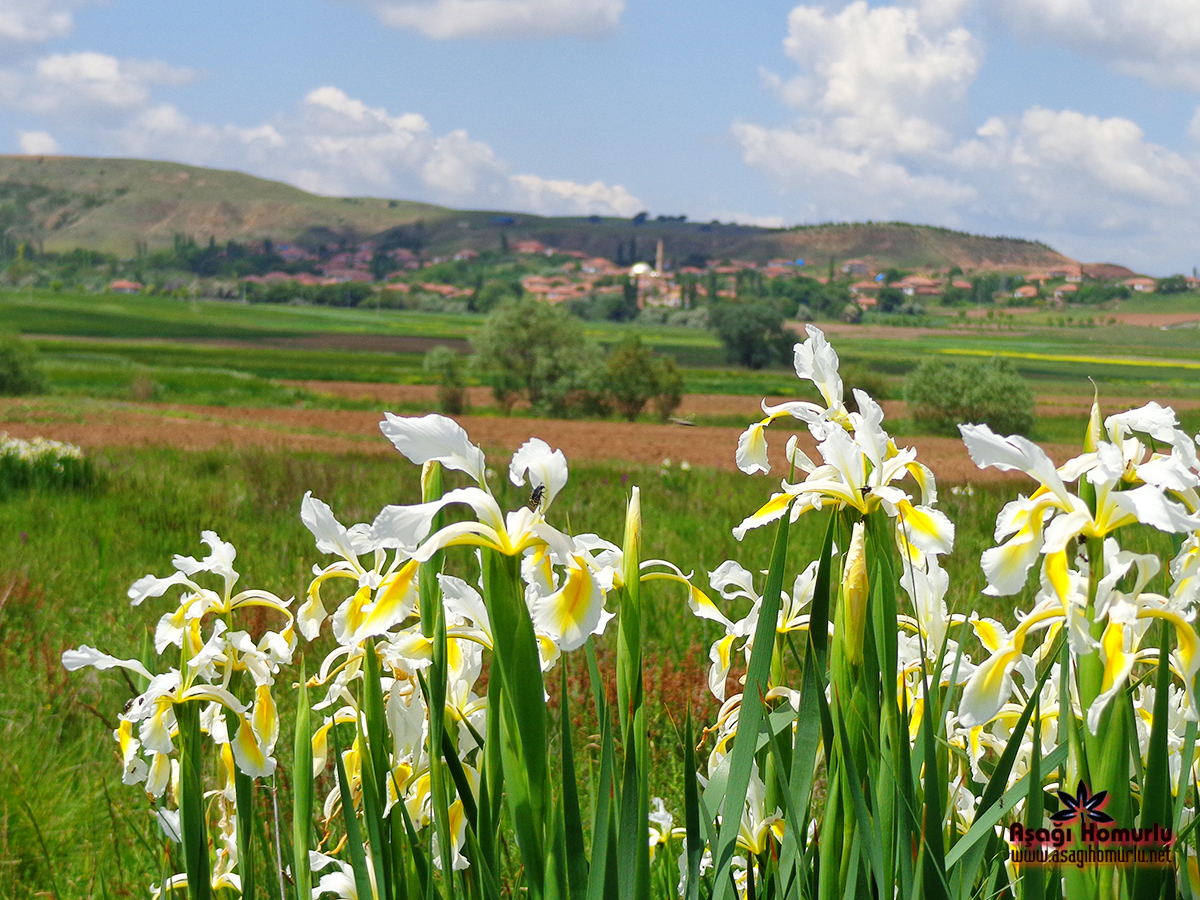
(97, 425)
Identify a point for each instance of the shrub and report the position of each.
(20, 368)
(635, 377)
(851, 313)
(891, 299)
(942, 396)
(631, 381)
(676, 318)
(752, 333)
(529, 348)
(670, 387)
(447, 367)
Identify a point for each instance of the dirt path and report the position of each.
(97, 425)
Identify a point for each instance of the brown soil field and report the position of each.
(99, 425)
(424, 396)
(1157, 320)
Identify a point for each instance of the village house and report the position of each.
(1141, 284)
(292, 253)
(405, 257)
(598, 265)
(340, 276)
(865, 288)
(121, 286)
(528, 247)
(445, 290)
(1072, 274)
(918, 286)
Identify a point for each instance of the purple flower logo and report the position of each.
(1082, 804)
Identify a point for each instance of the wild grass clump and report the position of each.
(43, 464)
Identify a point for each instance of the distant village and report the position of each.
(561, 275)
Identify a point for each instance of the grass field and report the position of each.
(122, 339)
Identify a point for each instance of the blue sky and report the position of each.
(1069, 121)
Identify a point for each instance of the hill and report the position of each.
(119, 205)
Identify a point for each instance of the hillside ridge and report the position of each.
(115, 205)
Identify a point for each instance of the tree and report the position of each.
(20, 368)
(943, 396)
(752, 333)
(631, 377)
(1172, 284)
(447, 367)
(492, 292)
(890, 299)
(527, 348)
(669, 390)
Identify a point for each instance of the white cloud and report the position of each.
(744, 218)
(878, 77)
(86, 83)
(552, 196)
(37, 143)
(165, 132)
(446, 19)
(840, 183)
(881, 131)
(1063, 169)
(364, 148)
(1158, 41)
(32, 21)
(878, 92)
(338, 145)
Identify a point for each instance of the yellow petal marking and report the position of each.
(393, 596)
(1113, 643)
(1056, 570)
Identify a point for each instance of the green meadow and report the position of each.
(103, 345)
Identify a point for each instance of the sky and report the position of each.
(1073, 122)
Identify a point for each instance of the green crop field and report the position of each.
(308, 342)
